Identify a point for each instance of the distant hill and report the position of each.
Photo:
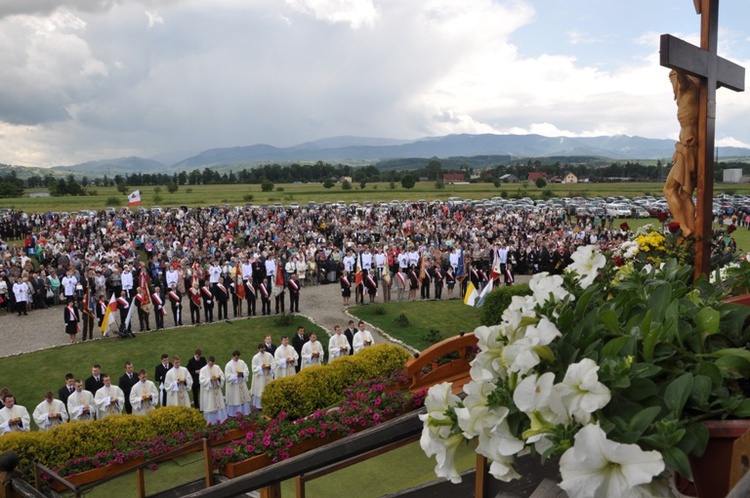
(473, 150)
(111, 167)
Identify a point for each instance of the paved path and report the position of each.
(44, 329)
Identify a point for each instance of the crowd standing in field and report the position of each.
(199, 262)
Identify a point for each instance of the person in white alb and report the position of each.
(236, 375)
(110, 400)
(362, 339)
(81, 406)
(263, 365)
(144, 396)
(214, 272)
(286, 359)
(312, 352)
(213, 406)
(178, 384)
(50, 412)
(338, 345)
(13, 417)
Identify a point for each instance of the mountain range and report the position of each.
(362, 150)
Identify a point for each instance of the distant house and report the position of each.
(345, 179)
(570, 177)
(508, 178)
(535, 175)
(454, 177)
(40, 193)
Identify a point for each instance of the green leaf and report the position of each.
(707, 321)
(733, 367)
(650, 342)
(613, 347)
(659, 299)
(677, 393)
(711, 371)
(544, 352)
(701, 390)
(742, 411)
(610, 320)
(741, 353)
(641, 389)
(643, 419)
(676, 459)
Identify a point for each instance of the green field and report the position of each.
(204, 195)
(31, 375)
(446, 317)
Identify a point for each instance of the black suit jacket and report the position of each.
(270, 348)
(91, 384)
(63, 394)
(126, 384)
(193, 365)
(297, 343)
(161, 372)
(349, 333)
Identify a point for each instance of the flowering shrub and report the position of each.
(609, 370)
(367, 404)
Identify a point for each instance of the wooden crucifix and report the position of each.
(708, 71)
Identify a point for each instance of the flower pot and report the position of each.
(712, 470)
(97, 474)
(230, 436)
(236, 469)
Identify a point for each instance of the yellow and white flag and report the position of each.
(471, 295)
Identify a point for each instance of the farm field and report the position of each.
(205, 195)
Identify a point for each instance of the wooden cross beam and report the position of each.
(713, 71)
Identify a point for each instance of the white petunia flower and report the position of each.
(440, 399)
(488, 365)
(581, 392)
(587, 261)
(476, 416)
(537, 394)
(444, 451)
(596, 467)
(543, 333)
(545, 286)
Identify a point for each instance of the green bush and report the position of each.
(402, 320)
(498, 300)
(433, 336)
(248, 197)
(284, 320)
(378, 310)
(80, 439)
(322, 386)
(113, 200)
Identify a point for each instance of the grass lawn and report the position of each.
(29, 376)
(448, 317)
(363, 480)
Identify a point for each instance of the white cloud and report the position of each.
(355, 13)
(153, 18)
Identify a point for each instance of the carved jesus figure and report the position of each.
(682, 178)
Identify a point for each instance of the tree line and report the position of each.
(328, 174)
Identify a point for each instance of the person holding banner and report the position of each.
(175, 299)
(159, 310)
(265, 297)
(71, 321)
(144, 308)
(194, 294)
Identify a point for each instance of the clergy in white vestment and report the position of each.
(144, 396)
(13, 417)
(212, 402)
(50, 412)
(178, 384)
(362, 339)
(312, 352)
(81, 405)
(236, 375)
(286, 359)
(338, 344)
(110, 400)
(263, 365)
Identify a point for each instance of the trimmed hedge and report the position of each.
(318, 387)
(80, 439)
(498, 300)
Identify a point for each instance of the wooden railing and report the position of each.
(435, 364)
(199, 445)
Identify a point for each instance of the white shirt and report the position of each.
(127, 280)
(214, 273)
(366, 260)
(172, 277)
(270, 267)
(69, 285)
(360, 338)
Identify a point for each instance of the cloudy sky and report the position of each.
(95, 79)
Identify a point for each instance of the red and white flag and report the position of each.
(134, 198)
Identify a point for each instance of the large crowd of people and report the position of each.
(195, 263)
(217, 392)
